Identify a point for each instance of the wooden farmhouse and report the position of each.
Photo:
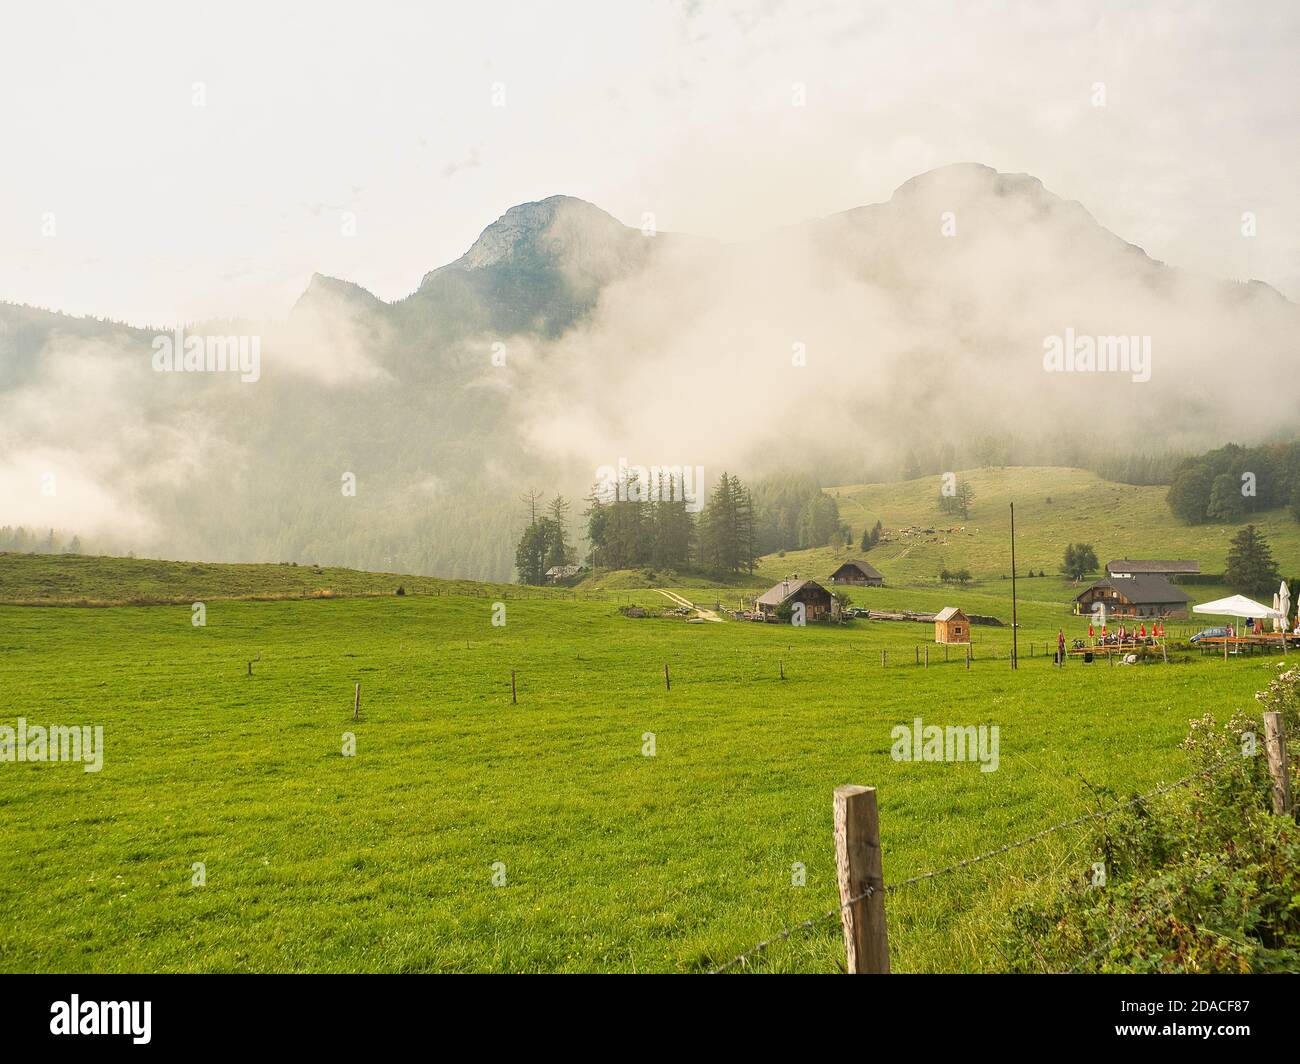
(1134, 596)
(558, 573)
(818, 603)
(859, 574)
(951, 626)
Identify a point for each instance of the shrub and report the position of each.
(1204, 878)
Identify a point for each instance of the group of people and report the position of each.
(1124, 635)
(1258, 627)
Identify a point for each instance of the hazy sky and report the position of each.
(162, 209)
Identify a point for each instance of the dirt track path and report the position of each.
(677, 600)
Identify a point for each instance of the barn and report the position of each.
(1140, 595)
(859, 574)
(818, 603)
(951, 626)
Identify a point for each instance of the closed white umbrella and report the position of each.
(1284, 602)
(1277, 621)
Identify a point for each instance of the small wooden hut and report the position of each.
(951, 626)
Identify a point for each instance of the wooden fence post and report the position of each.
(917, 654)
(858, 866)
(927, 657)
(782, 667)
(668, 686)
(968, 655)
(1278, 768)
(356, 702)
(882, 658)
(514, 697)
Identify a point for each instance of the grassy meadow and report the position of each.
(86, 580)
(1054, 506)
(612, 860)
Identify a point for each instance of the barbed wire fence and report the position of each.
(743, 959)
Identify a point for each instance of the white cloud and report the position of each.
(168, 211)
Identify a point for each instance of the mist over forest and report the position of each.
(891, 341)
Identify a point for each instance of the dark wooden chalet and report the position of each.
(859, 574)
(1134, 596)
(819, 604)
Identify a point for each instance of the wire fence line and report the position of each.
(785, 933)
(889, 888)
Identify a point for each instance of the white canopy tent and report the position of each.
(1237, 606)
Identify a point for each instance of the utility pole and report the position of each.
(1015, 655)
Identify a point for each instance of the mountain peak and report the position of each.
(325, 291)
(556, 220)
(970, 180)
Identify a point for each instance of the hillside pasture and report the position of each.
(613, 861)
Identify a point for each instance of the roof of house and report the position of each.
(948, 613)
(779, 593)
(1148, 565)
(1142, 590)
(565, 570)
(865, 568)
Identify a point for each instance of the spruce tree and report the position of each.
(1251, 568)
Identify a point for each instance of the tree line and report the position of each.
(793, 513)
(22, 540)
(656, 528)
(653, 525)
(1229, 483)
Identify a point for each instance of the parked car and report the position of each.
(1209, 633)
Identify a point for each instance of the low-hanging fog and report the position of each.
(564, 341)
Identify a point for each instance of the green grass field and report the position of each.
(1120, 520)
(82, 580)
(613, 861)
